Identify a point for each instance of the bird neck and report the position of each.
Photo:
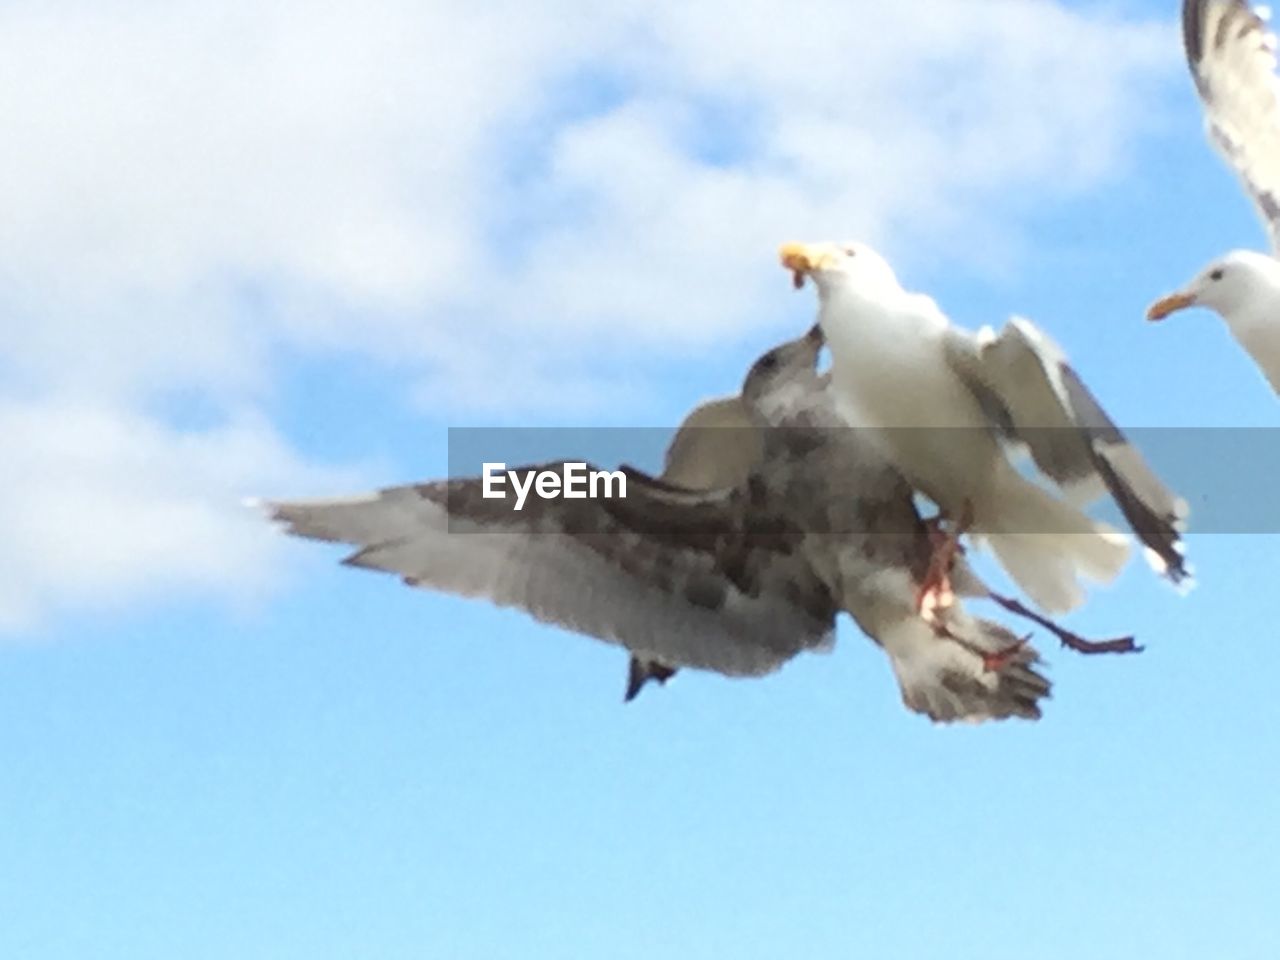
(896, 318)
(1258, 331)
(1252, 324)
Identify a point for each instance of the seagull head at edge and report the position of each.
(1235, 286)
(850, 268)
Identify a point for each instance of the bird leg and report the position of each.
(935, 591)
(1072, 641)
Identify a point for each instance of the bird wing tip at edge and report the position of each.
(270, 511)
(1182, 576)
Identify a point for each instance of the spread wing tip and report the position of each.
(1197, 27)
(1173, 566)
(294, 519)
(273, 511)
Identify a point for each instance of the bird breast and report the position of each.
(890, 372)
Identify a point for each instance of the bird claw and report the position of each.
(999, 661)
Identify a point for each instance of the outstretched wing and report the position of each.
(660, 572)
(1232, 58)
(1031, 393)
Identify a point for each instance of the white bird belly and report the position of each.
(928, 423)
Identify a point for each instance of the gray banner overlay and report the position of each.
(1229, 477)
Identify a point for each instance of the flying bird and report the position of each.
(946, 404)
(737, 578)
(1232, 57)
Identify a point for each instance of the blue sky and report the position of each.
(272, 249)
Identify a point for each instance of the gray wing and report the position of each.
(716, 446)
(660, 573)
(1232, 59)
(1030, 393)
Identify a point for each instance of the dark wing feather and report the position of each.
(1232, 59)
(1043, 403)
(649, 576)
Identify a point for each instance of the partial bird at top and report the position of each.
(1232, 57)
(946, 404)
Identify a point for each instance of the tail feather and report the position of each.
(641, 670)
(1045, 544)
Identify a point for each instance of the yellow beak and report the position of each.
(1167, 305)
(802, 259)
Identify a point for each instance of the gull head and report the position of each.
(785, 371)
(1232, 286)
(851, 267)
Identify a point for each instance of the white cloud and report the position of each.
(196, 192)
(103, 507)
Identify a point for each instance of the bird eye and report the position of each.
(851, 251)
(767, 362)
(1216, 274)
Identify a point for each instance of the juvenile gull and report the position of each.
(736, 579)
(1232, 59)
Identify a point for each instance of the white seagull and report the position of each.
(736, 579)
(947, 404)
(1232, 57)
